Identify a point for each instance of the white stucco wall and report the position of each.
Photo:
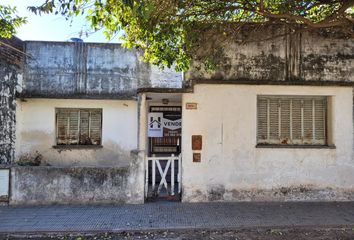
(231, 166)
(36, 132)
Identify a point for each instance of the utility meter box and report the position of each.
(4, 184)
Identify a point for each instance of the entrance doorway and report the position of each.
(163, 173)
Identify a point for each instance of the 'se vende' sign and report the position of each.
(157, 123)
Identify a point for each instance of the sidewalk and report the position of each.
(173, 216)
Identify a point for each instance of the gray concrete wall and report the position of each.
(70, 185)
(259, 56)
(89, 70)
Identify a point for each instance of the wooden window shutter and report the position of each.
(84, 127)
(95, 126)
(79, 126)
(285, 135)
(62, 121)
(273, 120)
(296, 121)
(292, 120)
(308, 121)
(320, 113)
(67, 126)
(74, 126)
(262, 132)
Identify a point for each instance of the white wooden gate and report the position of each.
(163, 172)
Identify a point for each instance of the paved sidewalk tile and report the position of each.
(161, 215)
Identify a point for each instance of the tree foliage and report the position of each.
(9, 21)
(166, 30)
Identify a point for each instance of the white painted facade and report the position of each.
(231, 166)
(36, 132)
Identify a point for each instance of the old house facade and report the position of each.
(273, 121)
(279, 124)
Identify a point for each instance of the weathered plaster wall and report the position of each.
(10, 74)
(258, 56)
(326, 58)
(233, 169)
(36, 132)
(48, 185)
(8, 80)
(91, 70)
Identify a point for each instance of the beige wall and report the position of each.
(36, 132)
(232, 168)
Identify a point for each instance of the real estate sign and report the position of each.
(164, 124)
(155, 124)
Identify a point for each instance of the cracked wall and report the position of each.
(77, 185)
(36, 133)
(233, 168)
(10, 74)
(89, 70)
(257, 56)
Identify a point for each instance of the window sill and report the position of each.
(296, 146)
(73, 147)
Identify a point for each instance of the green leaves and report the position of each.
(9, 21)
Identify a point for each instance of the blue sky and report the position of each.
(51, 27)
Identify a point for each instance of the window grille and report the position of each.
(297, 120)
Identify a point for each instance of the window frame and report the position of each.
(294, 143)
(78, 145)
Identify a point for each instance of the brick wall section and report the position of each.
(10, 69)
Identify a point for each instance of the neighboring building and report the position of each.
(10, 68)
(274, 121)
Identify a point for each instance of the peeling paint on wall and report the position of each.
(8, 81)
(89, 70)
(219, 193)
(255, 55)
(68, 185)
(10, 75)
(36, 133)
(234, 169)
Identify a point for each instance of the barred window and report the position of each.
(292, 120)
(78, 126)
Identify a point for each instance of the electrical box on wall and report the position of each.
(197, 142)
(197, 157)
(197, 145)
